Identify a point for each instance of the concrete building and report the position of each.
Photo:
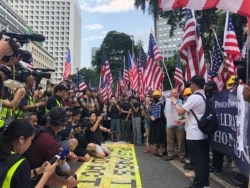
(60, 22)
(167, 45)
(12, 22)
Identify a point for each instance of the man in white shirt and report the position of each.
(197, 141)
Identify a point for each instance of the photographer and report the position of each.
(7, 50)
(28, 103)
(57, 99)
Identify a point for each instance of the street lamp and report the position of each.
(132, 38)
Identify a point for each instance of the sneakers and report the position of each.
(228, 164)
(168, 158)
(182, 160)
(146, 150)
(190, 174)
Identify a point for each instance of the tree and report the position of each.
(90, 77)
(116, 45)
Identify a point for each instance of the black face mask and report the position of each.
(241, 72)
(209, 93)
(156, 99)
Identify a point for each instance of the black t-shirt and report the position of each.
(125, 106)
(53, 101)
(136, 114)
(92, 137)
(114, 113)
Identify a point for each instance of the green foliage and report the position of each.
(116, 45)
(90, 77)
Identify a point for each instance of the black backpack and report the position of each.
(208, 123)
(6, 164)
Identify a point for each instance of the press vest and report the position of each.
(19, 112)
(11, 172)
(58, 103)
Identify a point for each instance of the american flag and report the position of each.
(103, 90)
(105, 70)
(178, 76)
(201, 56)
(125, 72)
(106, 79)
(219, 71)
(30, 66)
(188, 47)
(142, 65)
(67, 66)
(81, 84)
(133, 73)
(153, 75)
(123, 86)
(230, 44)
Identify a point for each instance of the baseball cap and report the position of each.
(197, 80)
(57, 116)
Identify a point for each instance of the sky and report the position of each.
(102, 16)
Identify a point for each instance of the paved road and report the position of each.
(158, 173)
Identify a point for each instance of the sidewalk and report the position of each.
(224, 178)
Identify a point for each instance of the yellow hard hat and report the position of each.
(232, 80)
(187, 91)
(156, 93)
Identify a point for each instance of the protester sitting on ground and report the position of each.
(93, 133)
(15, 141)
(83, 146)
(31, 117)
(65, 136)
(45, 146)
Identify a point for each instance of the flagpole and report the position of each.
(166, 67)
(247, 64)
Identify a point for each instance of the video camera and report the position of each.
(25, 55)
(18, 72)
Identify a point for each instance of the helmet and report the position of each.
(156, 93)
(187, 91)
(232, 80)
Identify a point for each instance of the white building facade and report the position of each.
(60, 22)
(167, 45)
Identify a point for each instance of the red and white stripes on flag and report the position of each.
(191, 49)
(106, 79)
(133, 73)
(67, 66)
(188, 47)
(178, 77)
(153, 75)
(236, 6)
(230, 43)
(201, 56)
(30, 66)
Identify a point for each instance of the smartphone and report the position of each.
(55, 159)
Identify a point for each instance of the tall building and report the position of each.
(12, 22)
(167, 45)
(60, 22)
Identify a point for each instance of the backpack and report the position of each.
(208, 123)
(6, 164)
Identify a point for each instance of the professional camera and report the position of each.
(18, 72)
(25, 55)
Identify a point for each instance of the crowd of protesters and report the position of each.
(58, 120)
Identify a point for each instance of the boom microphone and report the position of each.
(33, 37)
